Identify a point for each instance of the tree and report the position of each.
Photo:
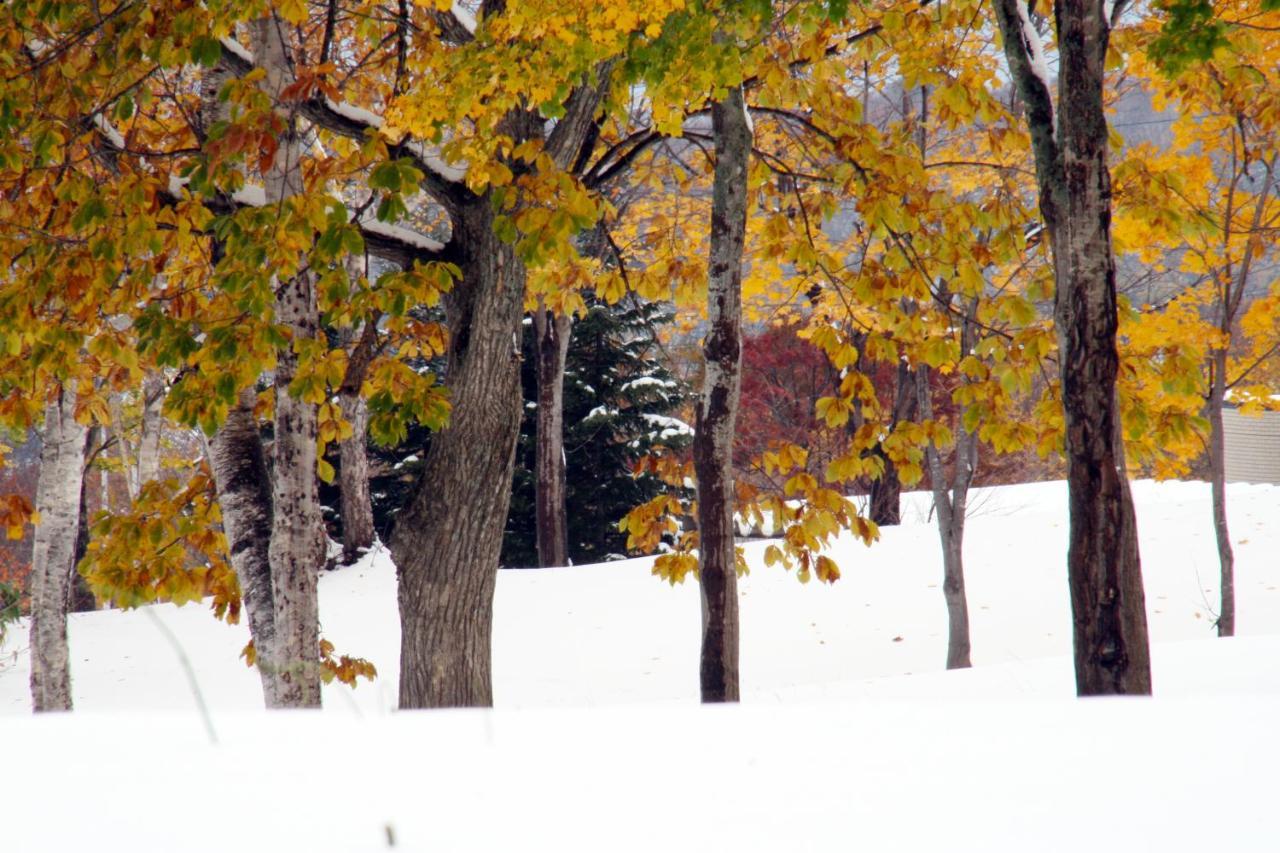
(619, 405)
(53, 563)
(1069, 139)
(1209, 202)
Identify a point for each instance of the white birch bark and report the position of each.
(297, 536)
(53, 552)
(149, 441)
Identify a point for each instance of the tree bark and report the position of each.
(149, 441)
(552, 332)
(297, 535)
(240, 475)
(82, 598)
(885, 505)
(446, 543)
(1218, 487)
(950, 501)
(1103, 567)
(357, 506)
(58, 493)
(718, 406)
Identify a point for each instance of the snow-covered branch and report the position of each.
(443, 179)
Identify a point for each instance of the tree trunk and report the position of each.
(149, 441)
(1103, 567)
(82, 599)
(446, 543)
(52, 557)
(552, 332)
(1218, 479)
(718, 406)
(886, 491)
(357, 507)
(297, 534)
(950, 500)
(239, 466)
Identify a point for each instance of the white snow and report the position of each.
(232, 46)
(399, 232)
(641, 382)
(430, 157)
(251, 195)
(356, 114)
(106, 129)
(850, 735)
(667, 427)
(465, 17)
(1035, 50)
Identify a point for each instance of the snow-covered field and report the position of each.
(850, 735)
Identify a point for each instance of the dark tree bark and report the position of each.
(356, 504)
(239, 465)
(551, 333)
(53, 551)
(1103, 567)
(718, 406)
(885, 505)
(82, 598)
(1231, 294)
(1218, 488)
(447, 542)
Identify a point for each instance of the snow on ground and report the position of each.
(850, 734)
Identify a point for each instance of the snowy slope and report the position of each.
(850, 734)
(608, 634)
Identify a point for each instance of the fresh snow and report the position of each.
(232, 46)
(465, 17)
(106, 129)
(430, 157)
(1035, 50)
(356, 114)
(666, 427)
(850, 736)
(399, 232)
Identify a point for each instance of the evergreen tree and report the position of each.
(619, 404)
(619, 400)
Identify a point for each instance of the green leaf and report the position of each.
(206, 51)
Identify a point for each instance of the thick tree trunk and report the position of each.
(718, 406)
(240, 475)
(149, 441)
(357, 506)
(1218, 481)
(446, 543)
(1103, 566)
(297, 534)
(552, 334)
(58, 493)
